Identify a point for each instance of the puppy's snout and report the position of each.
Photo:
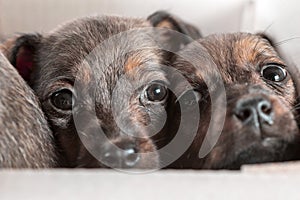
(255, 110)
(125, 157)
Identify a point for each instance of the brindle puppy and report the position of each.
(260, 123)
(25, 138)
(78, 71)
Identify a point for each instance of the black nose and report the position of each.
(256, 110)
(125, 157)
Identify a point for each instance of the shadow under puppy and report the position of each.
(25, 138)
(98, 75)
(260, 98)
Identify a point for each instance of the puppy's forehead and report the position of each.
(64, 50)
(75, 40)
(239, 53)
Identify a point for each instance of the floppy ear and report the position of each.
(268, 38)
(21, 51)
(162, 19)
(276, 47)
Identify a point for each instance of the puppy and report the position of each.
(99, 75)
(25, 138)
(259, 106)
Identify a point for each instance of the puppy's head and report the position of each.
(101, 86)
(260, 121)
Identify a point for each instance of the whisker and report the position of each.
(296, 105)
(284, 41)
(231, 100)
(294, 109)
(150, 111)
(297, 118)
(268, 27)
(167, 153)
(82, 133)
(160, 139)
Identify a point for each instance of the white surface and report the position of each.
(37, 15)
(280, 19)
(109, 184)
(208, 15)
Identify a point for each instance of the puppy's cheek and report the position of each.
(60, 122)
(149, 155)
(285, 125)
(67, 144)
(140, 117)
(289, 93)
(85, 159)
(214, 157)
(221, 152)
(146, 145)
(148, 123)
(225, 147)
(57, 119)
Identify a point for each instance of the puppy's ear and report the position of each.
(268, 38)
(162, 19)
(272, 42)
(21, 51)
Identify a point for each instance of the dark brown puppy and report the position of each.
(77, 71)
(260, 123)
(174, 42)
(25, 138)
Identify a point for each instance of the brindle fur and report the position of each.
(59, 61)
(239, 58)
(25, 138)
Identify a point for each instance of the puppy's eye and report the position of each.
(62, 99)
(272, 72)
(156, 92)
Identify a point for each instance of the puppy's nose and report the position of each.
(256, 110)
(125, 157)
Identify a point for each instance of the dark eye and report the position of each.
(156, 92)
(62, 99)
(274, 73)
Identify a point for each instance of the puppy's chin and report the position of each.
(142, 156)
(256, 151)
(266, 151)
(277, 143)
(145, 163)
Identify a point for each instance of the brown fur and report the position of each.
(239, 58)
(25, 139)
(59, 62)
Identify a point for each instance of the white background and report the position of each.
(281, 18)
(209, 16)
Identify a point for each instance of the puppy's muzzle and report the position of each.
(255, 111)
(127, 157)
